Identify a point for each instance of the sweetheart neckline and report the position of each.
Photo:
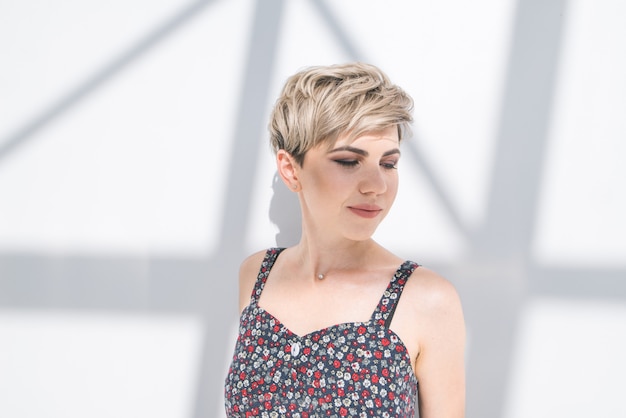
(309, 335)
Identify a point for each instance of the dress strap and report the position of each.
(268, 261)
(389, 301)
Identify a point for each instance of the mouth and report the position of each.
(366, 211)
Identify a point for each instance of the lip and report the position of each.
(366, 211)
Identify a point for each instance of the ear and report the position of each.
(288, 170)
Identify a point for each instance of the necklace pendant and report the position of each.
(320, 276)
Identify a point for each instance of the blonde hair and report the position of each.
(320, 103)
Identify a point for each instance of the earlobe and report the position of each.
(287, 170)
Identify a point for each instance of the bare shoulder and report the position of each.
(438, 340)
(431, 312)
(248, 272)
(431, 292)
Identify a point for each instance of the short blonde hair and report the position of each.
(320, 103)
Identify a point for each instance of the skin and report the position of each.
(344, 194)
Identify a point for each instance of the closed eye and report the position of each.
(389, 166)
(347, 163)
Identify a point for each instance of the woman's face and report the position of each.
(348, 190)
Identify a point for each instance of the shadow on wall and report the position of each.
(285, 213)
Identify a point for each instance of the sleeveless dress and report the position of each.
(356, 369)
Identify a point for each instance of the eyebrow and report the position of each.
(362, 151)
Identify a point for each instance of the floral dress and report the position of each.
(356, 369)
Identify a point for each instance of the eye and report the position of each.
(389, 165)
(347, 163)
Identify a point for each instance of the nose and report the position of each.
(373, 181)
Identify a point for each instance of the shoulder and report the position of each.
(431, 292)
(248, 272)
(432, 308)
(251, 264)
(438, 329)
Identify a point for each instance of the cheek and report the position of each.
(333, 180)
(323, 189)
(392, 187)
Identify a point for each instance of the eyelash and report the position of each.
(354, 163)
(347, 163)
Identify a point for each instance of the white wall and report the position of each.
(135, 174)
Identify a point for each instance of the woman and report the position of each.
(337, 325)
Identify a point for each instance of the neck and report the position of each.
(322, 258)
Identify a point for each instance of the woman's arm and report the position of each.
(440, 365)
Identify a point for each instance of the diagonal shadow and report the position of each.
(440, 193)
(337, 30)
(27, 132)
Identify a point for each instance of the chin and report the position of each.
(362, 234)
